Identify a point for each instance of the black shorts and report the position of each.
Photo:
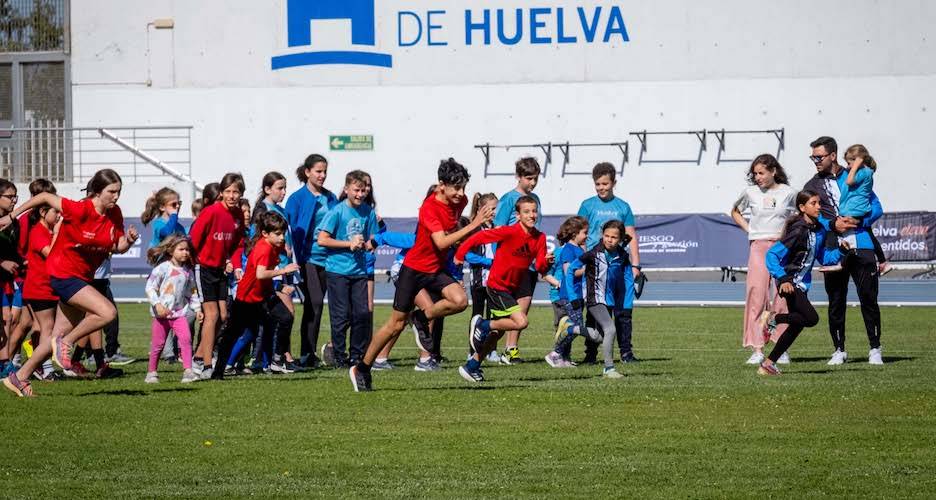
(212, 283)
(41, 305)
(410, 282)
(527, 285)
(502, 303)
(66, 288)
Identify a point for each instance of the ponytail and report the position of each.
(155, 203)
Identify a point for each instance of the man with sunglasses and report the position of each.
(860, 264)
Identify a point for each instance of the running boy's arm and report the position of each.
(481, 237)
(403, 241)
(478, 260)
(444, 241)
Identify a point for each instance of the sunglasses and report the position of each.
(175, 204)
(818, 159)
(12, 197)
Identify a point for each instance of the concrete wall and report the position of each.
(862, 71)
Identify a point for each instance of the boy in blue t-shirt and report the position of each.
(527, 172)
(598, 210)
(347, 233)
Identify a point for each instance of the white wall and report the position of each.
(862, 71)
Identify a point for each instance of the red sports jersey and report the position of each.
(516, 250)
(37, 276)
(216, 233)
(249, 288)
(86, 238)
(434, 216)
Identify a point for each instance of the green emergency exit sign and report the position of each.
(351, 142)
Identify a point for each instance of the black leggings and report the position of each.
(278, 325)
(312, 306)
(802, 315)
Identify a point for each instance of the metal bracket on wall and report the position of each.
(565, 148)
(486, 151)
(642, 137)
(780, 134)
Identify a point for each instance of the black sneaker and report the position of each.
(360, 379)
(105, 372)
(629, 358)
(476, 336)
(590, 359)
(294, 367)
(421, 329)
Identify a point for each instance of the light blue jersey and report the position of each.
(856, 200)
(597, 212)
(506, 213)
(343, 222)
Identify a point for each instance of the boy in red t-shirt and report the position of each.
(518, 246)
(247, 312)
(424, 266)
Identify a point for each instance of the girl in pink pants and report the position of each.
(768, 201)
(172, 294)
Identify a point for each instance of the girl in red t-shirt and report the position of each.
(37, 291)
(216, 234)
(91, 230)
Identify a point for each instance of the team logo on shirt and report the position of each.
(355, 227)
(524, 251)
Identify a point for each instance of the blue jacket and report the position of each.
(164, 229)
(790, 260)
(302, 209)
(608, 278)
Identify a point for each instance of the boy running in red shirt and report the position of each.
(518, 245)
(424, 266)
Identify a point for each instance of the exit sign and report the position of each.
(351, 142)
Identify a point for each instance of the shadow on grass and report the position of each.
(887, 359)
(478, 387)
(135, 392)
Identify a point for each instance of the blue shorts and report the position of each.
(66, 288)
(14, 300)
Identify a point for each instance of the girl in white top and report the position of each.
(769, 201)
(172, 294)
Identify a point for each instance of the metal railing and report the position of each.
(73, 154)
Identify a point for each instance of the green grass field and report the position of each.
(690, 421)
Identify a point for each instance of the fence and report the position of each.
(72, 154)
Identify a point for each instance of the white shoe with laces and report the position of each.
(838, 358)
(784, 359)
(755, 359)
(151, 378)
(874, 357)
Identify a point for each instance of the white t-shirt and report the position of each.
(768, 210)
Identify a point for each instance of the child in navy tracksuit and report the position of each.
(609, 290)
(790, 262)
(347, 233)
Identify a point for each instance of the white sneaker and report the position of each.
(838, 358)
(151, 378)
(784, 359)
(206, 374)
(610, 372)
(493, 357)
(188, 376)
(874, 357)
(554, 360)
(755, 359)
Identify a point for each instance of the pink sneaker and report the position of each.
(18, 387)
(61, 353)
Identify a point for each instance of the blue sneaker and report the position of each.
(427, 366)
(475, 376)
(382, 365)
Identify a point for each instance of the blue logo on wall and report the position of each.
(301, 13)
